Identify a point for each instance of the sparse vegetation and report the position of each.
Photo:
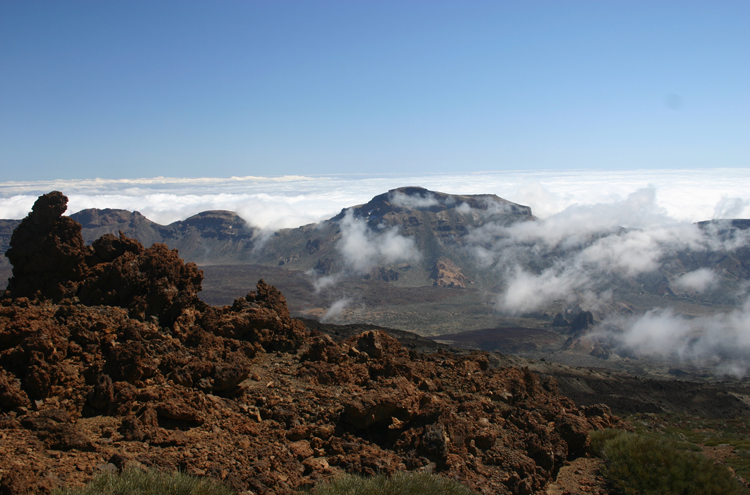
(148, 482)
(403, 483)
(599, 438)
(697, 432)
(651, 464)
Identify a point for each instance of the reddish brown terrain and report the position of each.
(109, 359)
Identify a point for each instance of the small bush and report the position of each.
(402, 483)
(599, 438)
(649, 465)
(152, 482)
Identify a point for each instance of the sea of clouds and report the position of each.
(291, 201)
(621, 223)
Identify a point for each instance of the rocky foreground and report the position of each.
(109, 359)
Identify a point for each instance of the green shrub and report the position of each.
(599, 438)
(402, 483)
(650, 465)
(151, 482)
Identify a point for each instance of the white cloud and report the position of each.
(585, 270)
(579, 250)
(640, 251)
(685, 195)
(336, 309)
(699, 280)
(464, 208)
(413, 201)
(721, 341)
(730, 208)
(658, 332)
(363, 248)
(324, 282)
(528, 292)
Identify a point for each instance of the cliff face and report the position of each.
(108, 359)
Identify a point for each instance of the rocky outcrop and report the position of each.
(445, 273)
(153, 282)
(583, 321)
(51, 262)
(120, 365)
(47, 252)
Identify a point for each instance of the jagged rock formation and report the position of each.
(50, 261)
(445, 273)
(47, 252)
(92, 377)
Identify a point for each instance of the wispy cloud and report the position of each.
(334, 312)
(720, 341)
(363, 248)
(698, 280)
(413, 201)
(577, 253)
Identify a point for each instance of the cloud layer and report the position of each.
(290, 201)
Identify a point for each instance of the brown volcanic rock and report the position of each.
(11, 395)
(260, 317)
(496, 428)
(50, 261)
(445, 273)
(94, 384)
(489, 427)
(47, 251)
(151, 282)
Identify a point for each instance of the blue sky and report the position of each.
(133, 89)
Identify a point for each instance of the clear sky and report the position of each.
(126, 89)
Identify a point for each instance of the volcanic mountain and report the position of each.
(108, 360)
(435, 225)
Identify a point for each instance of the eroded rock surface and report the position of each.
(51, 262)
(47, 251)
(446, 273)
(110, 360)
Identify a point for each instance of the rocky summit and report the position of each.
(108, 360)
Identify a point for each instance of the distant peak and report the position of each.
(414, 198)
